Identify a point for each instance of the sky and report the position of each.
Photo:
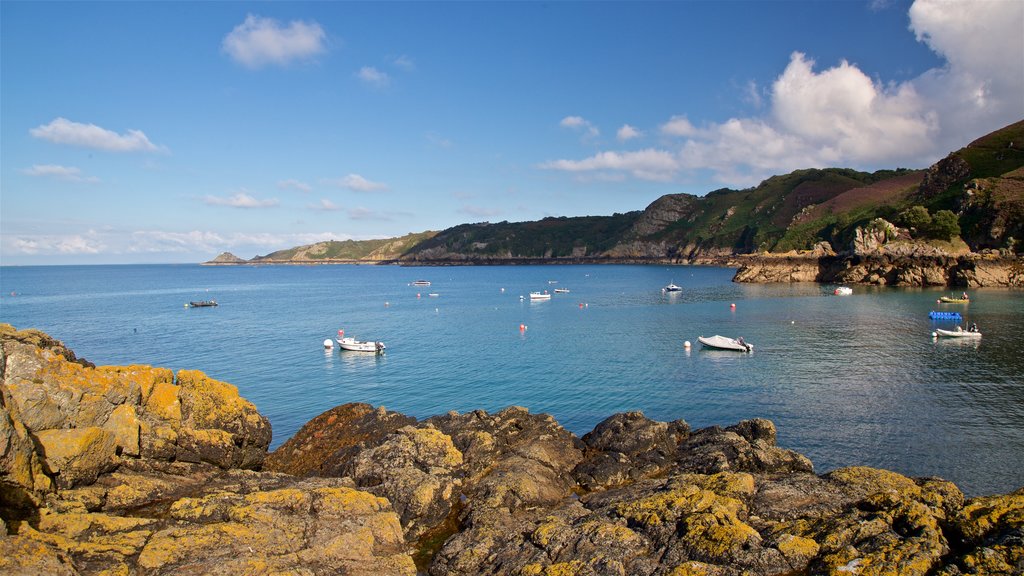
(158, 132)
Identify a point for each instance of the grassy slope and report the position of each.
(356, 250)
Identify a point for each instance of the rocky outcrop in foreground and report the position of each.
(164, 474)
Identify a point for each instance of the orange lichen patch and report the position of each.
(342, 501)
(163, 403)
(209, 403)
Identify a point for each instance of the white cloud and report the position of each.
(373, 77)
(240, 200)
(292, 184)
(64, 131)
(259, 41)
(581, 124)
(678, 126)
(69, 173)
(646, 164)
(840, 116)
(627, 132)
(357, 183)
(324, 205)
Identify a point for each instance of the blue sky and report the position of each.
(172, 131)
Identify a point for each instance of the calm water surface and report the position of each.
(847, 380)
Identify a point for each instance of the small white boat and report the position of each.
(843, 291)
(540, 295)
(561, 290)
(353, 345)
(958, 333)
(672, 288)
(421, 283)
(724, 343)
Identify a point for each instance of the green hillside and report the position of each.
(348, 250)
(548, 238)
(976, 193)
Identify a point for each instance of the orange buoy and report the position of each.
(733, 305)
(522, 327)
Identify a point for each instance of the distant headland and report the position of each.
(958, 223)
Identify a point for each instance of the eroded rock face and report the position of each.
(178, 518)
(84, 420)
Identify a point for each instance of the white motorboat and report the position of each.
(843, 291)
(353, 345)
(724, 343)
(958, 333)
(421, 283)
(540, 295)
(672, 288)
(561, 290)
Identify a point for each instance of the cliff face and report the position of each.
(154, 474)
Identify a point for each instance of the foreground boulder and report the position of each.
(133, 470)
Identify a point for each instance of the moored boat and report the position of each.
(202, 304)
(353, 345)
(951, 300)
(724, 343)
(843, 291)
(561, 290)
(958, 333)
(540, 295)
(672, 288)
(421, 283)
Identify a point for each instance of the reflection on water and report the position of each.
(848, 380)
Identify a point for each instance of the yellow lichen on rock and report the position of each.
(344, 501)
(980, 515)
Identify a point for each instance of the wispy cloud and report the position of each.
(240, 200)
(841, 116)
(357, 183)
(649, 164)
(373, 77)
(292, 184)
(580, 124)
(324, 205)
(69, 173)
(260, 41)
(64, 131)
(480, 211)
(404, 62)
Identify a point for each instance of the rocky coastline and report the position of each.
(138, 470)
(884, 269)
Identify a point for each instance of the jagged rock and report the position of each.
(873, 237)
(86, 419)
(626, 447)
(325, 445)
(477, 493)
(748, 447)
(415, 469)
(212, 521)
(943, 174)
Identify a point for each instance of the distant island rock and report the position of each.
(958, 223)
(138, 470)
(225, 258)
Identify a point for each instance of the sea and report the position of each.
(847, 380)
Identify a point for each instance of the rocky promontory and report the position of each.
(137, 470)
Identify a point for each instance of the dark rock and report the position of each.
(325, 445)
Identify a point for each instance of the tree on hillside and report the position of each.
(945, 225)
(916, 218)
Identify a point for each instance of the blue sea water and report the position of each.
(853, 380)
